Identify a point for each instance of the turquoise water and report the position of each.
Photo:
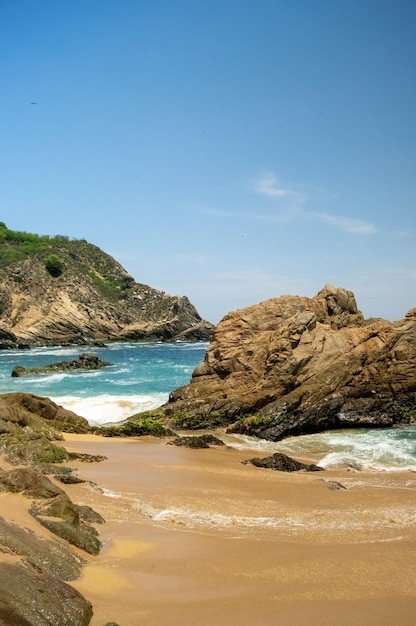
(142, 376)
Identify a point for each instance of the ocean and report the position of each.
(142, 375)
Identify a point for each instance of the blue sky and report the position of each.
(231, 151)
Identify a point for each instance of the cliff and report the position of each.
(294, 365)
(55, 291)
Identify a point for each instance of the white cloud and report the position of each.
(268, 185)
(349, 224)
(291, 205)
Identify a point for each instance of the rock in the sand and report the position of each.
(59, 559)
(55, 602)
(52, 507)
(333, 485)
(282, 463)
(69, 479)
(19, 410)
(29, 482)
(33, 570)
(32, 587)
(201, 441)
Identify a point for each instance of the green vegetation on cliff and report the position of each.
(56, 290)
(59, 254)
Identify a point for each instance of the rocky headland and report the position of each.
(295, 365)
(57, 291)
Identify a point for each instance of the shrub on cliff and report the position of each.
(54, 265)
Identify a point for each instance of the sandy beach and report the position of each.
(195, 536)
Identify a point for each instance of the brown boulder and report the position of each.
(53, 508)
(282, 463)
(202, 441)
(304, 364)
(56, 602)
(27, 410)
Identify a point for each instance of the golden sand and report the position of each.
(196, 537)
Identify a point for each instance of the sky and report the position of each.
(227, 150)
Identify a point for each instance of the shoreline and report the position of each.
(194, 536)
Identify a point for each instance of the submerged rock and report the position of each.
(85, 362)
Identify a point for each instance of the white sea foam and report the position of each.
(315, 520)
(45, 379)
(244, 442)
(106, 409)
(393, 449)
(110, 494)
(372, 449)
(54, 351)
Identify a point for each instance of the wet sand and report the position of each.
(196, 537)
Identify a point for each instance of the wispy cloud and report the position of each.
(269, 185)
(349, 224)
(290, 204)
(289, 201)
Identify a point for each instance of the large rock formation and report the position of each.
(295, 365)
(55, 291)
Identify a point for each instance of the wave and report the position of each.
(316, 521)
(42, 379)
(392, 449)
(151, 345)
(51, 351)
(107, 409)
